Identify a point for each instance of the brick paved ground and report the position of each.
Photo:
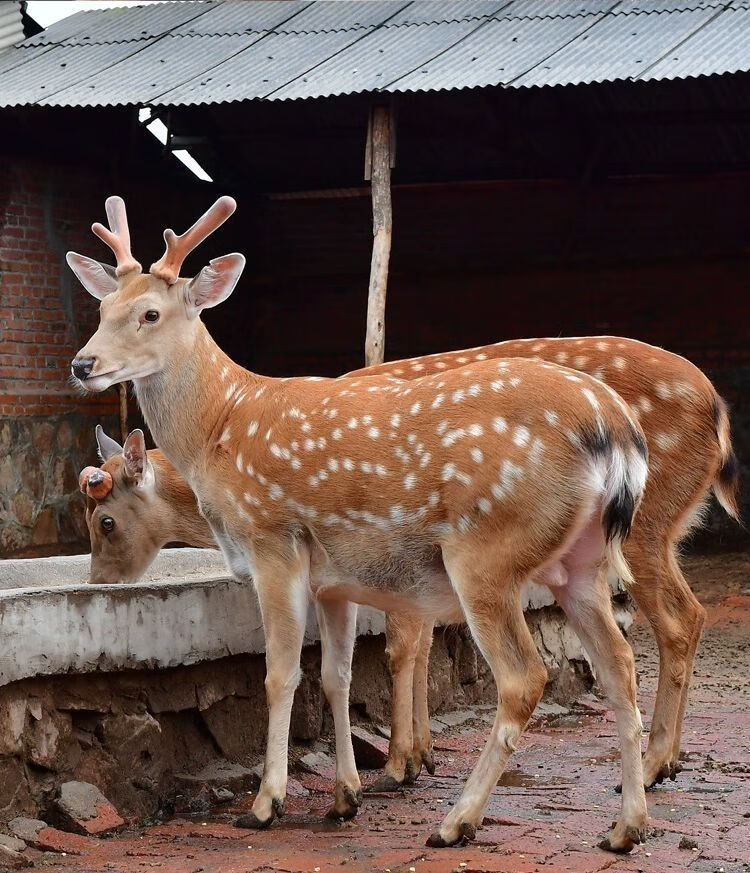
(553, 804)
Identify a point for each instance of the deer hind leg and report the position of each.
(402, 642)
(422, 755)
(282, 585)
(338, 629)
(676, 618)
(586, 600)
(491, 602)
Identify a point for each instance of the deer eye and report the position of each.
(108, 524)
(151, 316)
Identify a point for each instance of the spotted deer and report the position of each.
(440, 496)
(687, 431)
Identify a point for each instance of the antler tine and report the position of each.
(117, 237)
(179, 247)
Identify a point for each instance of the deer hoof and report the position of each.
(251, 820)
(384, 785)
(624, 842)
(466, 834)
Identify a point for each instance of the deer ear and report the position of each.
(108, 447)
(214, 283)
(98, 279)
(137, 463)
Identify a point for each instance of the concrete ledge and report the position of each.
(53, 622)
(187, 611)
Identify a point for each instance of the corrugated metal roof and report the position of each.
(11, 23)
(216, 51)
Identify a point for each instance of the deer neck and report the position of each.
(186, 404)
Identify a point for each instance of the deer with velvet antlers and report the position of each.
(438, 496)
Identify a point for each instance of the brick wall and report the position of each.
(46, 428)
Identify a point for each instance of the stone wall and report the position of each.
(41, 508)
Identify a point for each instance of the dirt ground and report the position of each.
(552, 805)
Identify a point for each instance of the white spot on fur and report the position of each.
(591, 397)
(500, 425)
(352, 423)
(667, 441)
(410, 481)
(474, 390)
(425, 460)
(373, 433)
(348, 464)
(510, 473)
(477, 455)
(515, 382)
(458, 396)
(275, 492)
(228, 393)
(619, 363)
(551, 417)
(497, 385)
(521, 436)
(663, 390)
(337, 433)
(561, 357)
(415, 408)
(580, 361)
(484, 505)
(602, 347)
(395, 420)
(644, 404)
(226, 434)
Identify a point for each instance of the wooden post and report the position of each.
(122, 388)
(379, 156)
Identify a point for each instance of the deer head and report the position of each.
(130, 515)
(144, 317)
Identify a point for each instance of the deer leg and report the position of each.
(676, 618)
(422, 754)
(492, 605)
(338, 628)
(586, 600)
(282, 586)
(402, 640)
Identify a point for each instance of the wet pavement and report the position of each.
(551, 807)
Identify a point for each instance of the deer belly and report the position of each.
(386, 573)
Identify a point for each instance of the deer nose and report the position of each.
(82, 367)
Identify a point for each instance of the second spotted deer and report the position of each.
(439, 496)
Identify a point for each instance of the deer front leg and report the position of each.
(338, 628)
(281, 581)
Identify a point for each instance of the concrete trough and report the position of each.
(185, 611)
